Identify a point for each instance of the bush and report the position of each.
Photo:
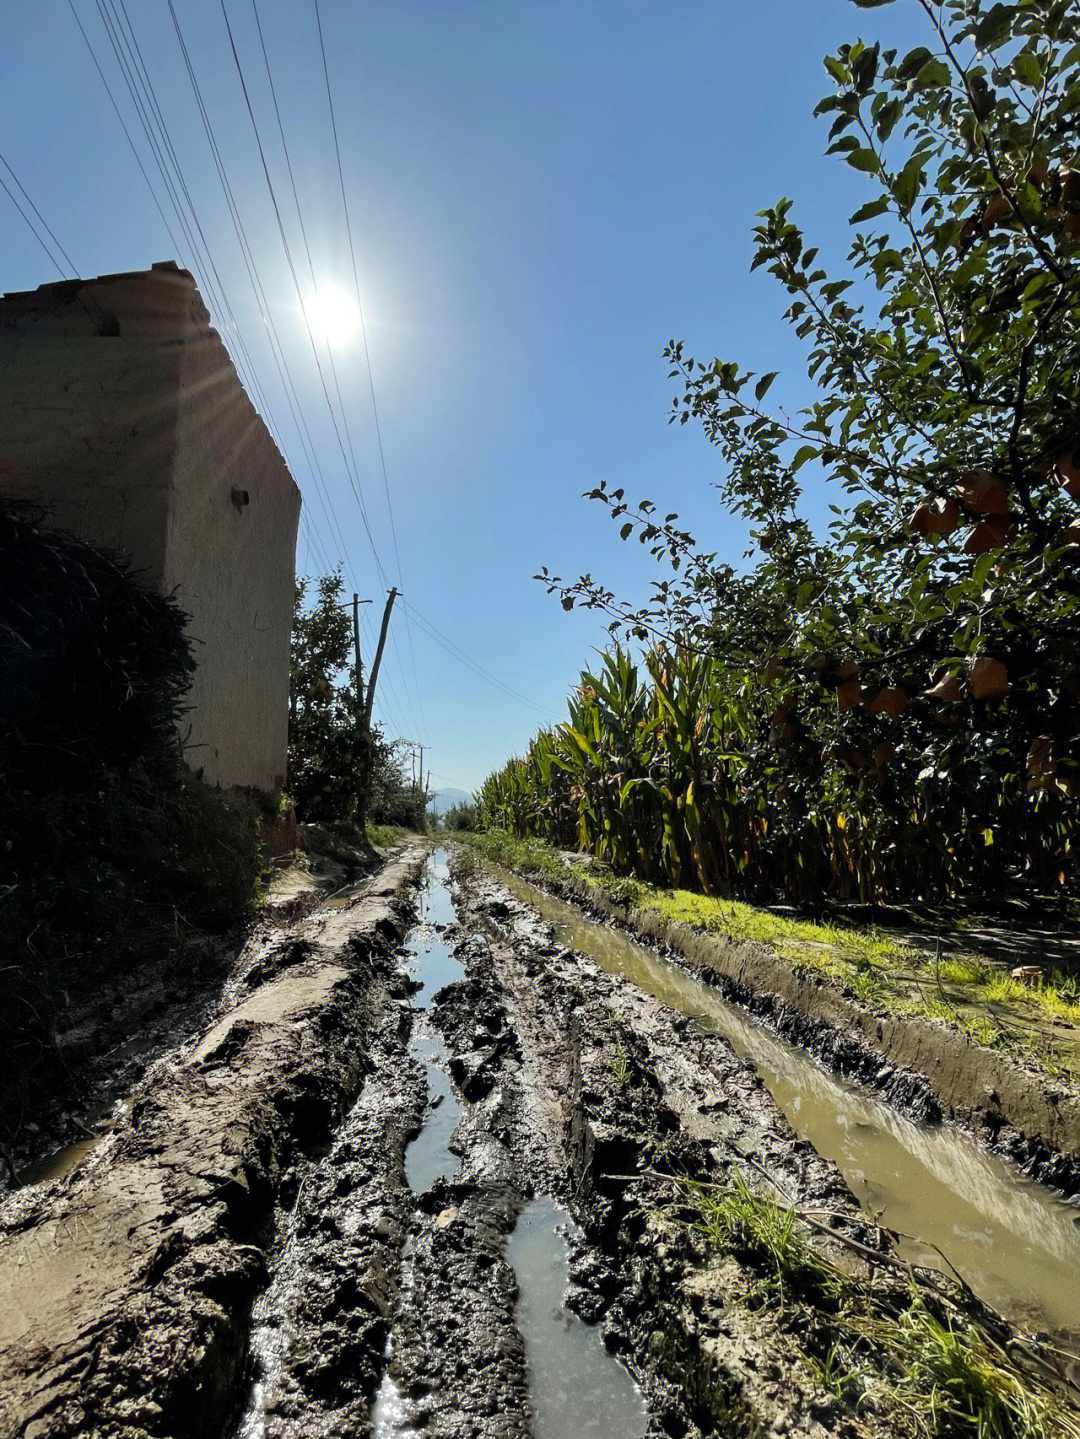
(114, 851)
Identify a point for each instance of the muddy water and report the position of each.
(575, 1387)
(576, 1390)
(433, 965)
(59, 1163)
(1015, 1242)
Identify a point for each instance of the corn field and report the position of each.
(677, 772)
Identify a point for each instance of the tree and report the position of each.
(338, 771)
(940, 614)
(324, 733)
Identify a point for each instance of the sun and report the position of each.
(333, 316)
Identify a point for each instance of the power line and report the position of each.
(353, 480)
(277, 350)
(118, 42)
(41, 218)
(367, 352)
(123, 126)
(408, 693)
(455, 651)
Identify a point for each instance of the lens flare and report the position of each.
(333, 316)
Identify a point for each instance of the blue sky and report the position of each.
(541, 195)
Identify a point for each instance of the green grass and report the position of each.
(935, 1374)
(964, 990)
(382, 836)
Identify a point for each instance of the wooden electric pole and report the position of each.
(356, 653)
(369, 701)
(370, 697)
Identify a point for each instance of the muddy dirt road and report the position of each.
(433, 1170)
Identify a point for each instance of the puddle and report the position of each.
(1015, 1242)
(576, 1388)
(428, 1156)
(59, 1163)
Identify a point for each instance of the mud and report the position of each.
(125, 1287)
(922, 1066)
(106, 1042)
(307, 1216)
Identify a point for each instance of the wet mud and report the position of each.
(922, 1066)
(423, 1173)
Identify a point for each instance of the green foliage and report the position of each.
(115, 854)
(903, 695)
(930, 1363)
(96, 668)
(336, 772)
(461, 817)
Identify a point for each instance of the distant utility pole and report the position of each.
(356, 603)
(366, 761)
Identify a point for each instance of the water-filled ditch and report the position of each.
(1014, 1241)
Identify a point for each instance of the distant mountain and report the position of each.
(445, 799)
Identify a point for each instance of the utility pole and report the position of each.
(370, 699)
(356, 652)
(365, 724)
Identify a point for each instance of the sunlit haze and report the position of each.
(334, 316)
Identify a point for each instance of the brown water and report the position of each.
(60, 1162)
(1015, 1242)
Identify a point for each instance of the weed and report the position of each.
(946, 1379)
(736, 1219)
(868, 965)
(620, 1064)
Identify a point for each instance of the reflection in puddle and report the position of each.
(576, 1387)
(428, 1156)
(1015, 1242)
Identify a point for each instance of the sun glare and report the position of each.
(333, 315)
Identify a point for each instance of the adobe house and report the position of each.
(121, 413)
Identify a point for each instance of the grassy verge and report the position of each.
(1038, 1024)
(910, 1350)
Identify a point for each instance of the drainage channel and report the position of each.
(571, 1376)
(1014, 1241)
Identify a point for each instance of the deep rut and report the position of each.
(337, 1211)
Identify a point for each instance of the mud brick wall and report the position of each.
(121, 414)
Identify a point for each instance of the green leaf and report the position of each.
(907, 184)
(762, 386)
(885, 120)
(870, 211)
(866, 160)
(912, 63)
(1027, 70)
(933, 75)
(806, 452)
(625, 531)
(995, 27)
